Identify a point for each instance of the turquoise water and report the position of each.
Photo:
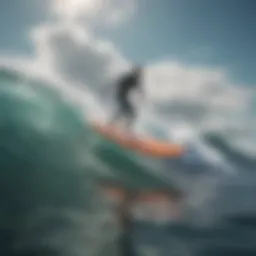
(52, 161)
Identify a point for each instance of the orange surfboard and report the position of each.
(147, 146)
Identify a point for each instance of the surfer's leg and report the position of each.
(129, 114)
(120, 110)
(125, 113)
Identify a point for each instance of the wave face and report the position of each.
(59, 159)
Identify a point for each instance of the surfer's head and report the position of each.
(46, 191)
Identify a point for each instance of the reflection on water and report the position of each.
(160, 229)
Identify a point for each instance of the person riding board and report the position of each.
(124, 86)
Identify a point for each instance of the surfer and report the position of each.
(125, 85)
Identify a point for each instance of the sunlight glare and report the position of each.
(74, 8)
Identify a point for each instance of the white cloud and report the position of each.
(202, 97)
(100, 11)
(76, 55)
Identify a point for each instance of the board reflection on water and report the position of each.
(164, 225)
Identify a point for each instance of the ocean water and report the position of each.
(210, 208)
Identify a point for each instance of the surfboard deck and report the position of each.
(146, 146)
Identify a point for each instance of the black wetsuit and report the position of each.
(124, 86)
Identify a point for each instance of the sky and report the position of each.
(215, 33)
(219, 32)
(199, 55)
